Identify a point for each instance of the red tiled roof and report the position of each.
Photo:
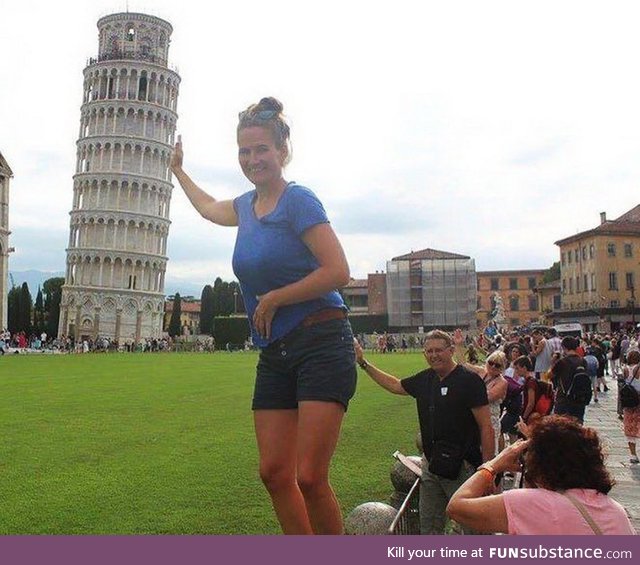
(357, 283)
(627, 224)
(185, 307)
(430, 254)
(632, 215)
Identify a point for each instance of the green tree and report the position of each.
(206, 310)
(13, 309)
(174, 323)
(25, 306)
(52, 297)
(552, 273)
(38, 313)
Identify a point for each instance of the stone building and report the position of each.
(431, 289)
(517, 288)
(116, 258)
(189, 315)
(5, 176)
(598, 273)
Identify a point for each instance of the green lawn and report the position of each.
(164, 444)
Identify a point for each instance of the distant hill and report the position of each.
(36, 278)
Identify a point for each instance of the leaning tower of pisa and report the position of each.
(116, 258)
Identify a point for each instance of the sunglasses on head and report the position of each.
(262, 115)
(494, 364)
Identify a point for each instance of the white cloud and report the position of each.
(485, 128)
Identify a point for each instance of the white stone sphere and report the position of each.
(403, 478)
(370, 519)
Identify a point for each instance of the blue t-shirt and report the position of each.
(270, 254)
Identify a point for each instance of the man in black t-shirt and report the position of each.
(460, 416)
(561, 377)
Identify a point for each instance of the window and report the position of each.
(629, 281)
(557, 302)
(532, 283)
(514, 304)
(494, 284)
(513, 284)
(591, 251)
(584, 252)
(611, 249)
(562, 258)
(577, 254)
(533, 303)
(593, 281)
(564, 286)
(569, 257)
(578, 283)
(479, 305)
(628, 250)
(614, 304)
(586, 285)
(131, 33)
(613, 281)
(570, 285)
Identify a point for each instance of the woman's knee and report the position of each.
(312, 481)
(276, 477)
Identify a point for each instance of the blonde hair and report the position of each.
(498, 357)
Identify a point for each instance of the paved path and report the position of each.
(604, 418)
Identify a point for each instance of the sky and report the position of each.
(489, 129)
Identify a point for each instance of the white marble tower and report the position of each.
(116, 259)
(5, 175)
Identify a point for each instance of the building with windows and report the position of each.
(367, 296)
(598, 273)
(549, 300)
(517, 288)
(431, 289)
(5, 176)
(189, 315)
(116, 258)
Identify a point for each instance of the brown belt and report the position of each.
(324, 316)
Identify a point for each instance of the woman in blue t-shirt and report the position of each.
(290, 264)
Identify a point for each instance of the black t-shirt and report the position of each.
(562, 374)
(459, 392)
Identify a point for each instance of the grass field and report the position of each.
(164, 444)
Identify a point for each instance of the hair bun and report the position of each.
(270, 103)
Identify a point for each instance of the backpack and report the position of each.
(592, 364)
(628, 395)
(545, 398)
(580, 390)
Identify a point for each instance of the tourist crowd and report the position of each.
(504, 418)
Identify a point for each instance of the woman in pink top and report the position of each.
(566, 486)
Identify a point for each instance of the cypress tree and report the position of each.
(38, 313)
(174, 323)
(26, 305)
(13, 309)
(53, 295)
(206, 310)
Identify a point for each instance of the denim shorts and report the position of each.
(315, 362)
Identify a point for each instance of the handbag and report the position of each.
(628, 395)
(446, 457)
